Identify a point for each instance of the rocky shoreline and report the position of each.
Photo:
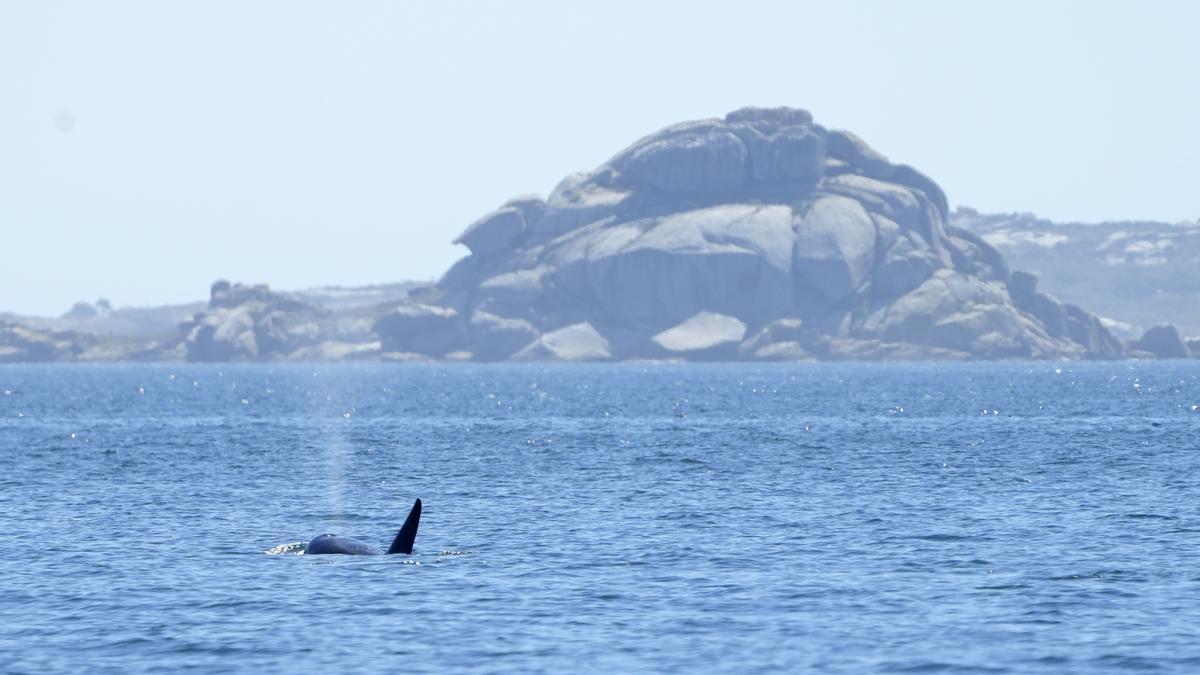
(759, 236)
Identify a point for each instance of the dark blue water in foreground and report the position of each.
(908, 518)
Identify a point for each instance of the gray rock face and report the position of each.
(497, 339)
(964, 314)
(420, 329)
(23, 344)
(759, 218)
(697, 159)
(251, 323)
(1061, 320)
(663, 270)
(794, 154)
(855, 155)
(1163, 342)
(1135, 273)
(780, 340)
(577, 342)
(82, 311)
(239, 323)
(835, 248)
(500, 229)
(131, 325)
(705, 336)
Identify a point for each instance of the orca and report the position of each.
(403, 543)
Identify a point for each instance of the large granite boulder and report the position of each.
(834, 249)
(1061, 320)
(500, 229)
(697, 158)
(496, 339)
(759, 217)
(253, 323)
(81, 311)
(705, 336)
(420, 329)
(1163, 342)
(780, 340)
(577, 342)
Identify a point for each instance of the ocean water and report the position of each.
(1021, 517)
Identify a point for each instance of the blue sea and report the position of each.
(1015, 517)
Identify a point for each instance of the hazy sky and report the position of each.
(147, 149)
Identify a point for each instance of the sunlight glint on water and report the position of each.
(832, 517)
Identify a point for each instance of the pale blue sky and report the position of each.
(147, 149)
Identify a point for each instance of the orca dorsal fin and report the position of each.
(403, 543)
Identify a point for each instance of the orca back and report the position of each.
(403, 543)
(333, 544)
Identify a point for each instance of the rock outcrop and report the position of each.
(762, 235)
(420, 329)
(1163, 342)
(239, 323)
(577, 342)
(1061, 320)
(705, 336)
(758, 236)
(252, 323)
(1136, 274)
(24, 344)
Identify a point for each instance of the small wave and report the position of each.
(667, 458)
(1123, 662)
(1101, 575)
(125, 642)
(212, 650)
(233, 604)
(940, 667)
(293, 548)
(1149, 516)
(942, 537)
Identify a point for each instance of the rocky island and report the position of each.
(761, 235)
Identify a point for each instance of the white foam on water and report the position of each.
(292, 548)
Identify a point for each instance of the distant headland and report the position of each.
(758, 236)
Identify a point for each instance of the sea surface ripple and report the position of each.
(1018, 517)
